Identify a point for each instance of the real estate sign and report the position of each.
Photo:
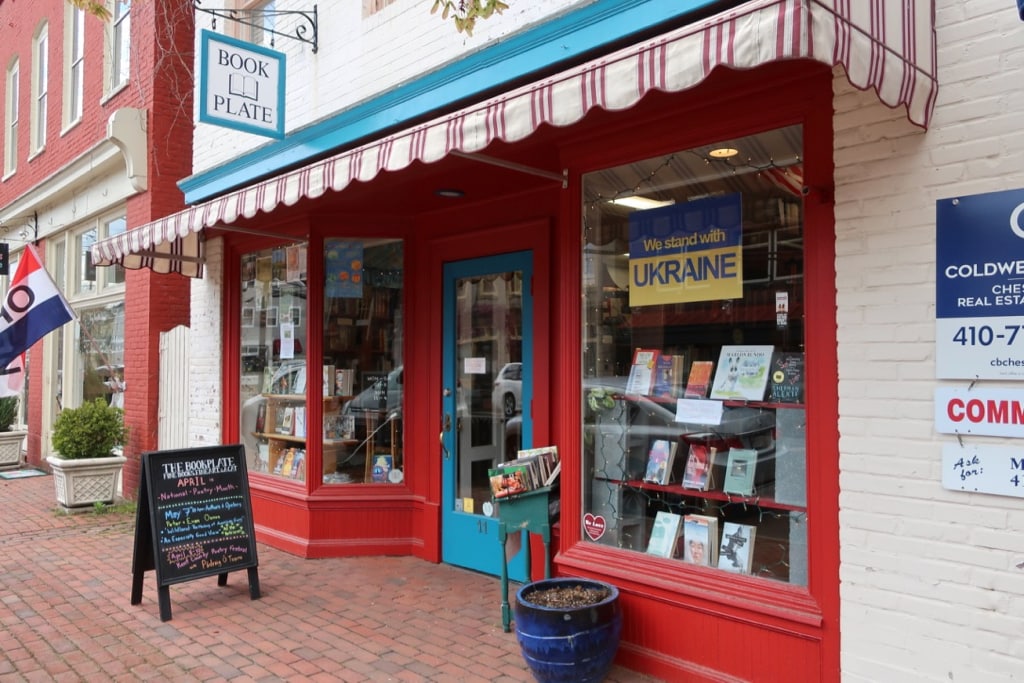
(979, 286)
(241, 85)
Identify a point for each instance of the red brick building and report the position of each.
(97, 130)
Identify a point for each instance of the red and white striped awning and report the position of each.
(887, 45)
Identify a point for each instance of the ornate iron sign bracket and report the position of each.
(305, 27)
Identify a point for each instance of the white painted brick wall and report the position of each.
(930, 587)
(207, 349)
(360, 58)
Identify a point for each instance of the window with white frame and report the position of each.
(119, 52)
(11, 120)
(115, 273)
(88, 355)
(256, 25)
(40, 78)
(74, 64)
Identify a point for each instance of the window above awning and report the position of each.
(888, 46)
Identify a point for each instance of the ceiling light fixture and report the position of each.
(641, 203)
(723, 153)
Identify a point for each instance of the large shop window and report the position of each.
(693, 365)
(358, 379)
(88, 358)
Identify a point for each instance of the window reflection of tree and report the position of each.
(101, 350)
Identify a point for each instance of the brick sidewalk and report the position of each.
(65, 585)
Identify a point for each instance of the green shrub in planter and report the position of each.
(90, 431)
(8, 412)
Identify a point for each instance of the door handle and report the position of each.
(446, 426)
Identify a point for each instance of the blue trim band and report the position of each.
(560, 41)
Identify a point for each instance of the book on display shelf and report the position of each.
(507, 480)
(261, 417)
(663, 383)
(736, 552)
(382, 466)
(786, 384)
(700, 540)
(660, 460)
(699, 380)
(697, 473)
(641, 373)
(664, 534)
(287, 420)
(742, 373)
(678, 374)
(739, 472)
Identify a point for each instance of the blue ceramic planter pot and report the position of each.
(570, 644)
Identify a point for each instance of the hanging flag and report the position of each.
(12, 378)
(32, 308)
(789, 178)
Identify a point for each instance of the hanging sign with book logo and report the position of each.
(979, 286)
(241, 85)
(686, 252)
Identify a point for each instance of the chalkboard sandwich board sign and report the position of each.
(194, 519)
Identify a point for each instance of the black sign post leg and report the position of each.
(254, 583)
(138, 578)
(222, 579)
(164, 598)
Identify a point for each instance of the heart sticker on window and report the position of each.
(594, 525)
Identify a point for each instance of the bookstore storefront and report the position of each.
(665, 317)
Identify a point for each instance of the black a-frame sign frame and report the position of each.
(194, 519)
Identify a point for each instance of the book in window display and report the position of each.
(697, 473)
(641, 374)
(287, 420)
(742, 373)
(382, 466)
(664, 534)
(660, 460)
(700, 540)
(663, 383)
(739, 471)
(699, 381)
(786, 384)
(736, 552)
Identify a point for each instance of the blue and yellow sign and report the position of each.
(687, 252)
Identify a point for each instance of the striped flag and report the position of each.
(32, 308)
(12, 378)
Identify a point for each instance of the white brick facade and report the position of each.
(931, 589)
(207, 353)
(361, 58)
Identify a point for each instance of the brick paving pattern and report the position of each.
(65, 612)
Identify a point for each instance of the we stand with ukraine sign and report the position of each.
(32, 308)
(687, 252)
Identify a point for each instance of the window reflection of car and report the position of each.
(508, 388)
(619, 424)
(376, 405)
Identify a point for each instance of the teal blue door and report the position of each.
(487, 375)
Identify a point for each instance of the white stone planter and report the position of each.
(81, 483)
(10, 449)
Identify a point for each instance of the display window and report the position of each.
(694, 427)
(358, 377)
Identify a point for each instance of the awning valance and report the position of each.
(887, 45)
